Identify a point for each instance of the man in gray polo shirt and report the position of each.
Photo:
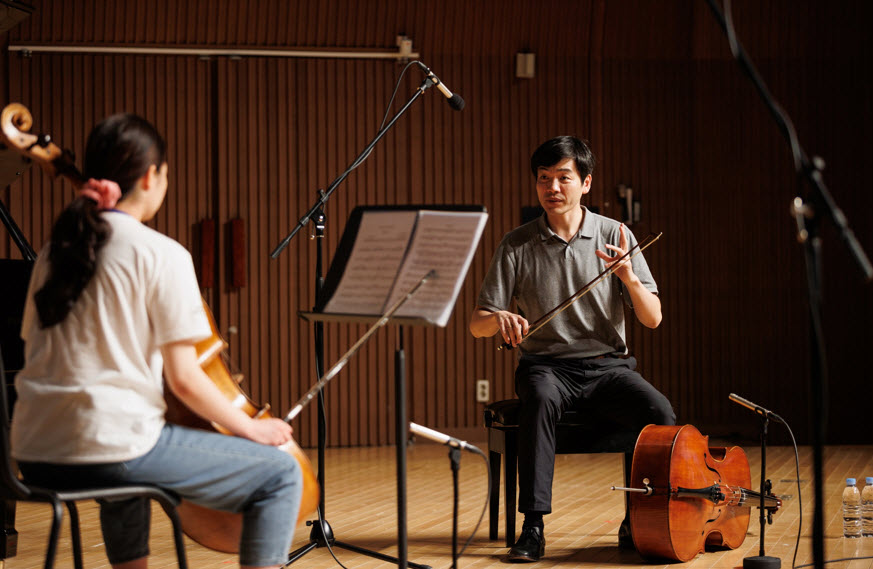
(580, 358)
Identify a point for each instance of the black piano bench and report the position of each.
(576, 434)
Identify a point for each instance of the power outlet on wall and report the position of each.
(483, 391)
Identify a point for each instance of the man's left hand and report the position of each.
(625, 270)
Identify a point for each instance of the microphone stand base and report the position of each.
(321, 534)
(762, 562)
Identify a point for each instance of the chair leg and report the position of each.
(494, 459)
(177, 535)
(75, 535)
(628, 461)
(54, 534)
(511, 466)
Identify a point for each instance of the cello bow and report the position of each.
(547, 317)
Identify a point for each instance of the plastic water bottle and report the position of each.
(851, 509)
(867, 508)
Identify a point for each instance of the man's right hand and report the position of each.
(511, 326)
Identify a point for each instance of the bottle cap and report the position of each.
(850, 481)
(869, 480)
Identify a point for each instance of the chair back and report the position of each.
(11, 487)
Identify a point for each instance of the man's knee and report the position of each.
(662, 411)
(540, 402)
(538, 386)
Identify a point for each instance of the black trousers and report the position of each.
(606, 387)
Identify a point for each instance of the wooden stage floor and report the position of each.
(582, 531)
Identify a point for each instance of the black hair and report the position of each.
(121, 148)
(560, 148)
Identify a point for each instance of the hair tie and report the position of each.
(105, 192)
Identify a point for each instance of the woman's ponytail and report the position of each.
(119, 152)
(77, 236)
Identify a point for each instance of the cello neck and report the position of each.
(745, 498)
(752, 498)
(732, 495)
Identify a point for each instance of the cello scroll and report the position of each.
(15, 124)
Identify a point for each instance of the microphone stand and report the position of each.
(762, 561)
(455, 447)
(807, 228)
(321, 534)
(455, 459)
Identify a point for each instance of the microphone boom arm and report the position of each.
(325, 195)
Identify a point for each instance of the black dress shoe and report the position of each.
(531, 545)
(625, 539)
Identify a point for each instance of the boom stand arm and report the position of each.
(325, 195)
(822, 202)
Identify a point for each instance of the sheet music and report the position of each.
(444, 241)
(393, 250)
(381, 243)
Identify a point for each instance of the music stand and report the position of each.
(383, 251)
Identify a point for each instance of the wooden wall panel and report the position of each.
(66, 107)
(652, 88)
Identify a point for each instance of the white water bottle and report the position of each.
(867, 508)
(851, 509)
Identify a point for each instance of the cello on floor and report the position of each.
(693, 496)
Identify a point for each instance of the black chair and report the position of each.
(575, 435)
(15, 489)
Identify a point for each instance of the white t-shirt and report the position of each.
(91, 390)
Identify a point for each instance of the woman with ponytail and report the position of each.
(113, 309)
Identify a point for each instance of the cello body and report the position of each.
(698, 495)
(215, 529)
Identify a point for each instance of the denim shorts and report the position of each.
(215, 471)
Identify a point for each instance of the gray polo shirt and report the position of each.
(540, 270)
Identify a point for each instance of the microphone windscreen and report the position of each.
(456, 102)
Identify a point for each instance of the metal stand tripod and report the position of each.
(321, 534)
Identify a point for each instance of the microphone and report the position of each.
(754, 407)
(441, 438)
(455, 100)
